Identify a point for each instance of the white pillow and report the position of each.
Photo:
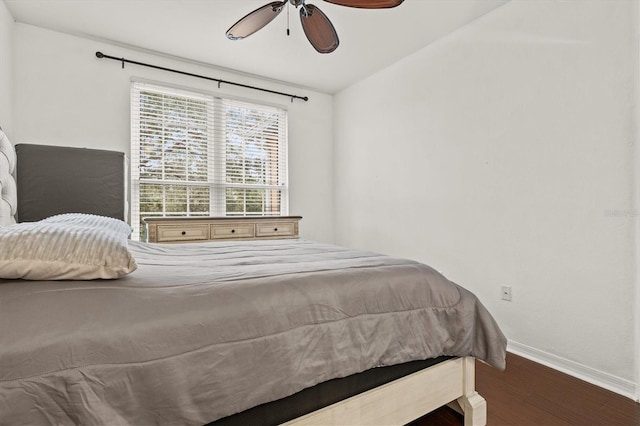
(91, 220)
(59, 251)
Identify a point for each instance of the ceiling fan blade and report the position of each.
(367, 4)
(318, 29)
(255, 20)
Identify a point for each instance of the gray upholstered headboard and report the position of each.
(53, 180)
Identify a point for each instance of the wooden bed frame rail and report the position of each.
(408, 398)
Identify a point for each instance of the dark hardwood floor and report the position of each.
(528, 393)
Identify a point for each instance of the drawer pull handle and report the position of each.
(275, 229)
(184, 232)
(233, 231)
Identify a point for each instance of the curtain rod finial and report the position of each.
(100, 54)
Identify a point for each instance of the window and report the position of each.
(194, 154)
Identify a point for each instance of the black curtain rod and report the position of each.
(123, 60)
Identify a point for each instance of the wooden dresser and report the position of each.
(194, 229)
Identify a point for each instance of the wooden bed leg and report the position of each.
(473, 405)
(475, 410)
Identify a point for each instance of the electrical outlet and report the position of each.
(506, 293)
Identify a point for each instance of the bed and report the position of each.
(252, 332)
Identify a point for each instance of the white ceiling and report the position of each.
(195, 30)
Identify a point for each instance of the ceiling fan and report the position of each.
(317, 27)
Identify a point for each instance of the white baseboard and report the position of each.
(596, 377)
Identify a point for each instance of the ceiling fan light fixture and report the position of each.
(317, 27)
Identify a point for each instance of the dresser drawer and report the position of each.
(182, 232)
(232, 230)
(276, 229)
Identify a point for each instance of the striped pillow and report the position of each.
(92, 221)
(60, 251)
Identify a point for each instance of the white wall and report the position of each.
(6, 69)
(503, 154)
(64, 95)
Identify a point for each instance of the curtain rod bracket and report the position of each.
(101, 55)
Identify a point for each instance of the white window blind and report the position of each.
(195, 154)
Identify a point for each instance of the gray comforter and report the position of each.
(202, 331)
